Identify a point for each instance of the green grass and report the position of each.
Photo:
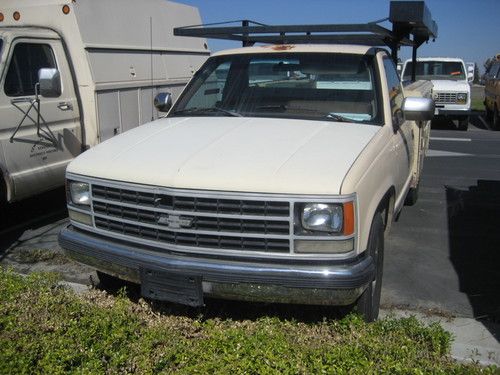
(477, 104)
(45, 328)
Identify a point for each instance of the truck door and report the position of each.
(403, 147)
(37, 144)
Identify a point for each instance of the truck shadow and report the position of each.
(447, 124)
(228, 309)
(474, 241)
(443, 124)
(36, 213)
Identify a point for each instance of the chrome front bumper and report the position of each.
(301, 282)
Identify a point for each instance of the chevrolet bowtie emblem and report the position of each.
(175, 221)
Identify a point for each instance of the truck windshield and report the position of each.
(318, 86)
(427, 70)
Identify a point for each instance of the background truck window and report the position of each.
(27, 59)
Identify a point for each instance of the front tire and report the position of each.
(368, 304)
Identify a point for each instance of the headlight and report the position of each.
(323, 217)
(461, 97)
(79, 193)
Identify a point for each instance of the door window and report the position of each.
(26, 61)
(395, 91)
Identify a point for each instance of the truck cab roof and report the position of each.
(298, 48)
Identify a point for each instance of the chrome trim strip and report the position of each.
(81, 210)
(212, 251)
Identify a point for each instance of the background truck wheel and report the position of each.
(488, 114)
(496, 119)
(3, 202)
(369, 303)
(463, 123)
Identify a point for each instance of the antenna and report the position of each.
(151, 55)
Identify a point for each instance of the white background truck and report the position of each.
(451, 88)
(274, 177)
(104, 61)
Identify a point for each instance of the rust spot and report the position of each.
(281, 47)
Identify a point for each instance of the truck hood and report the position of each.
(450, 86)
(231, 154)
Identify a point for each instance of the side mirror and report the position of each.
(418, 109)
(163, 101)
(50, 82)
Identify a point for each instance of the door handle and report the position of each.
(65, 106)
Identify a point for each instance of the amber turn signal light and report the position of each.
(348, 218)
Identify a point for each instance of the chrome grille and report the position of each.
(193, 221)
(199, 223)
(446, 98)
(192, 204)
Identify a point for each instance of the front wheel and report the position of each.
(368, 304)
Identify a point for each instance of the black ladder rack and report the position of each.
(412, 25)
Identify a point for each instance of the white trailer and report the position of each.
(102, 63)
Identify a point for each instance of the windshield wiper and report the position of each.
(281, 107)
(196, 110)
(340, 118)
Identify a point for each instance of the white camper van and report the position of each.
(75, 73)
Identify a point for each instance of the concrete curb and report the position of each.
(472, 341)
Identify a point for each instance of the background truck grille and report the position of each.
(446, 98)
(196, 222)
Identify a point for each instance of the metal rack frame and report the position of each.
(412, 25)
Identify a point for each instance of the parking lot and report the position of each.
(441, 257)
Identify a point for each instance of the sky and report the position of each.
(469, 29)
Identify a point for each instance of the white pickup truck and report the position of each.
(274, 177)
(451, 88)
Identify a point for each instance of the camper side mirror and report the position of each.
(50, 82)
(418, 109)
(163, 101)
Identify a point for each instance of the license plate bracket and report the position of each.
(172, 287)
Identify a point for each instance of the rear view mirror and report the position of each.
(163, 101)
(418, 109)
(50, 82)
